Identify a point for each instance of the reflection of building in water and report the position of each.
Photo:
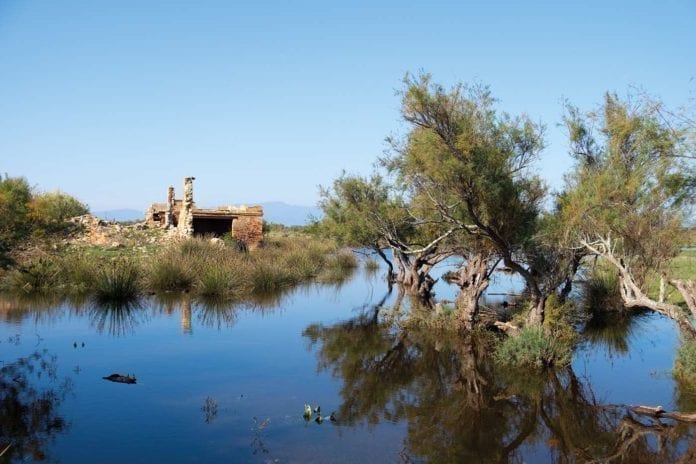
(186, 316)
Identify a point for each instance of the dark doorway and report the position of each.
(216, 227)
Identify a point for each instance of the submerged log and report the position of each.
(658, 412)
(118, 378)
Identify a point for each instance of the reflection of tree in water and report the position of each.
(613, 330)
(461, 408)
(30, 396)
(117, 318)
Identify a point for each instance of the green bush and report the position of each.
(39, 276)
(533, 348)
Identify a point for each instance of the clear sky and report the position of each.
(112, 101)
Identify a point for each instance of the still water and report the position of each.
(228, 383)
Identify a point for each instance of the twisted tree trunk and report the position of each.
(473, 279)
(631, 294)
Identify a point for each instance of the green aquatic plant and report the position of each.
(534, 348)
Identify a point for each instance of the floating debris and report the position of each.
(118, 378)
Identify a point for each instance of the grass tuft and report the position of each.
(533, 348)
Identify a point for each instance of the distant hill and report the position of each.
(273, 211)
(289, 215)
(120, 215)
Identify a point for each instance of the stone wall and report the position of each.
(249, 229)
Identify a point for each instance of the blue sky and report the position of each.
(114, 101)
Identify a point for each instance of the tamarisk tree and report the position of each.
(472, 164)
(627, 197)
(371, 213)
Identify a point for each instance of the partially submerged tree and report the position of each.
(626, 198)
(472, 164)
(373, 214)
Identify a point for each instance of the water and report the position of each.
(229, 384)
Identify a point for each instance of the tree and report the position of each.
(471, 163)
(371, 213)
(15, 195)
(49, 211)
(626, 198)
(26, 213)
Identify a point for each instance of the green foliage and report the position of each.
(561, 319)
(50, 211)
(358, 210)
(39, 276)
(533, 348)
(15, 195)
(26, 213)
(685, 362)
(630, 182)
(462, 152)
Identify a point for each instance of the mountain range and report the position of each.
(273, 211)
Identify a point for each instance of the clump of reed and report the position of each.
(534, 348)
(117, 281)
(170, 271)
(78, 273)
(337, 267)
(206, 269)
(600, 291)
(221, 283)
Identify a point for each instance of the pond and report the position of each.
(228, 383)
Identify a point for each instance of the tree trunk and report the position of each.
(568, 285)
(473, 279)
(631, 294)
(535, 317)
(688, 290)
(413, 275)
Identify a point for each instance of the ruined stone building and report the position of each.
(244, 223)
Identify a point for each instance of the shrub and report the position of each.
(41, 275)
(534, 348)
